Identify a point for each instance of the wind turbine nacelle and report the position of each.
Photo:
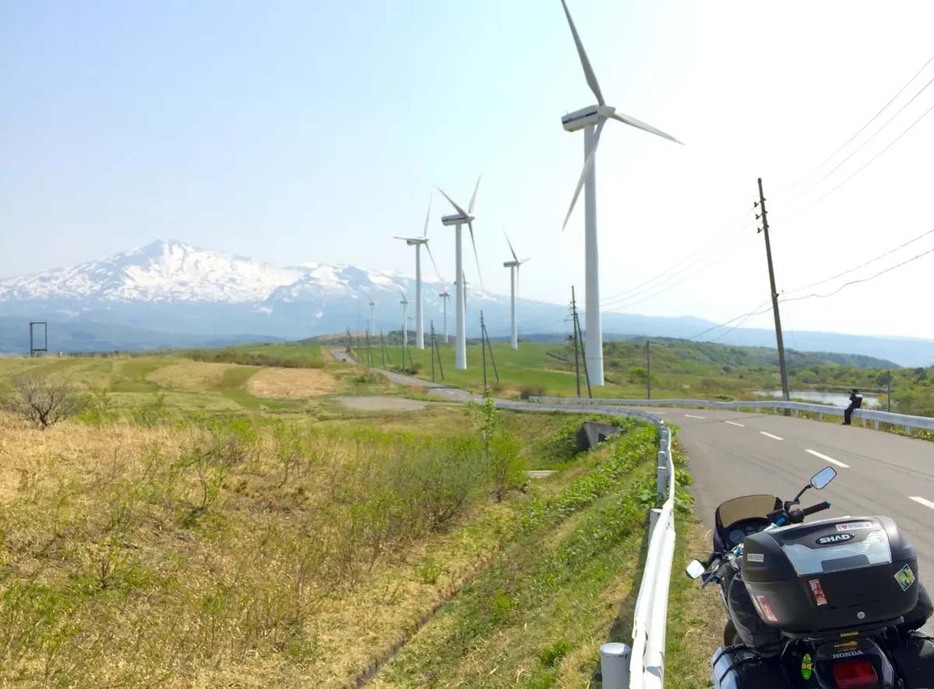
(581, 118)
(511, 264)
(456, 219)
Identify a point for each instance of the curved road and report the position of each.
(732, 454)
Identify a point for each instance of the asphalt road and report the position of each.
(732, 454)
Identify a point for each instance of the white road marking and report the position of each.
(692, 416)
(828, 459)
(769, 435)
(733, 423)
(922, 501)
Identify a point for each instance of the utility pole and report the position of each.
(577, 370)
(382, 346)
(778, 320)
(648, 371)
(432, 351)
(437, 351)
(888, 404)
(489, 345)
(483, 348)
(577, 327)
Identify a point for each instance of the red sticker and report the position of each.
(767, 611)
(818, 591)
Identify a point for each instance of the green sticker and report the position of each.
(807, 666)
(905, 577)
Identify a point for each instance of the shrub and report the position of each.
(43, 400)
(529, 390)
(98, 408)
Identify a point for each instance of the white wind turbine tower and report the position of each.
(459, 219)
(405, 319)
(372, 314)
(418, 242)
(445, 295)
(513, 266)
(587, 119)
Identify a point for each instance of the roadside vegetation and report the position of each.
(188, 527)
(679, 369)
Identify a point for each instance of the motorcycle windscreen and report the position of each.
(746, 507)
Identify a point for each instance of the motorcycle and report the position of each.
(832, 604)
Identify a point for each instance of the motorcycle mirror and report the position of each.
(823, 477)
(694, 569)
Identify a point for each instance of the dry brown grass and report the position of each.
(191, 375)
(291, 383)
(226, 554)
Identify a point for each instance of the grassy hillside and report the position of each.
(678, 369)
(207, 523)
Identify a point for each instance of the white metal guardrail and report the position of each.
(646, 657)
(906, 421)
(641, 666)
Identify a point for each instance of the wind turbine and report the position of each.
(372, 314)
(418, 242)
(513, 266)
(587, 119)
(405, 320)
(459, 219)
(445, 295)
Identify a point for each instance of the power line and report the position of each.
(877, 132)
(871, 120)
(866, 263)
(735, 326)
(856, 282)
(744, 316)
(873, 159)
(638, 299)
(692, 258)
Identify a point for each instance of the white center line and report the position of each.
(828, 459)
(692, 416)
(769, 435)
(733, 423)
(922, 501)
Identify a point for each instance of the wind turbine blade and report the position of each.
(513, 251)
(587, 165)
(525, 260)
(451, 201)
(432, 257)
(639, 124)
(427, 216)
(588, 70)
(473, 199)
(476, 257)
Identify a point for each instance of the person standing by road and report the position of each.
(856, 401)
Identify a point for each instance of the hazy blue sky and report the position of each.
(309, 131)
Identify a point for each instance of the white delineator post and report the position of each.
(593, 342)
(460, 344)
(419, 323)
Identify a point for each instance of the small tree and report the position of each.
(44, 400)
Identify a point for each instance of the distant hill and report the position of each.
(716, 354)
(171, 294)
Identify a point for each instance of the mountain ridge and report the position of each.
(168, 287)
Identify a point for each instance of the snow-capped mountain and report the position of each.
(159, 272)
(170, 294)
(169, 286)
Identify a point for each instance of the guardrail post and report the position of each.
(908, 431)
(653, 520)
(661, 476)
(614, 665)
